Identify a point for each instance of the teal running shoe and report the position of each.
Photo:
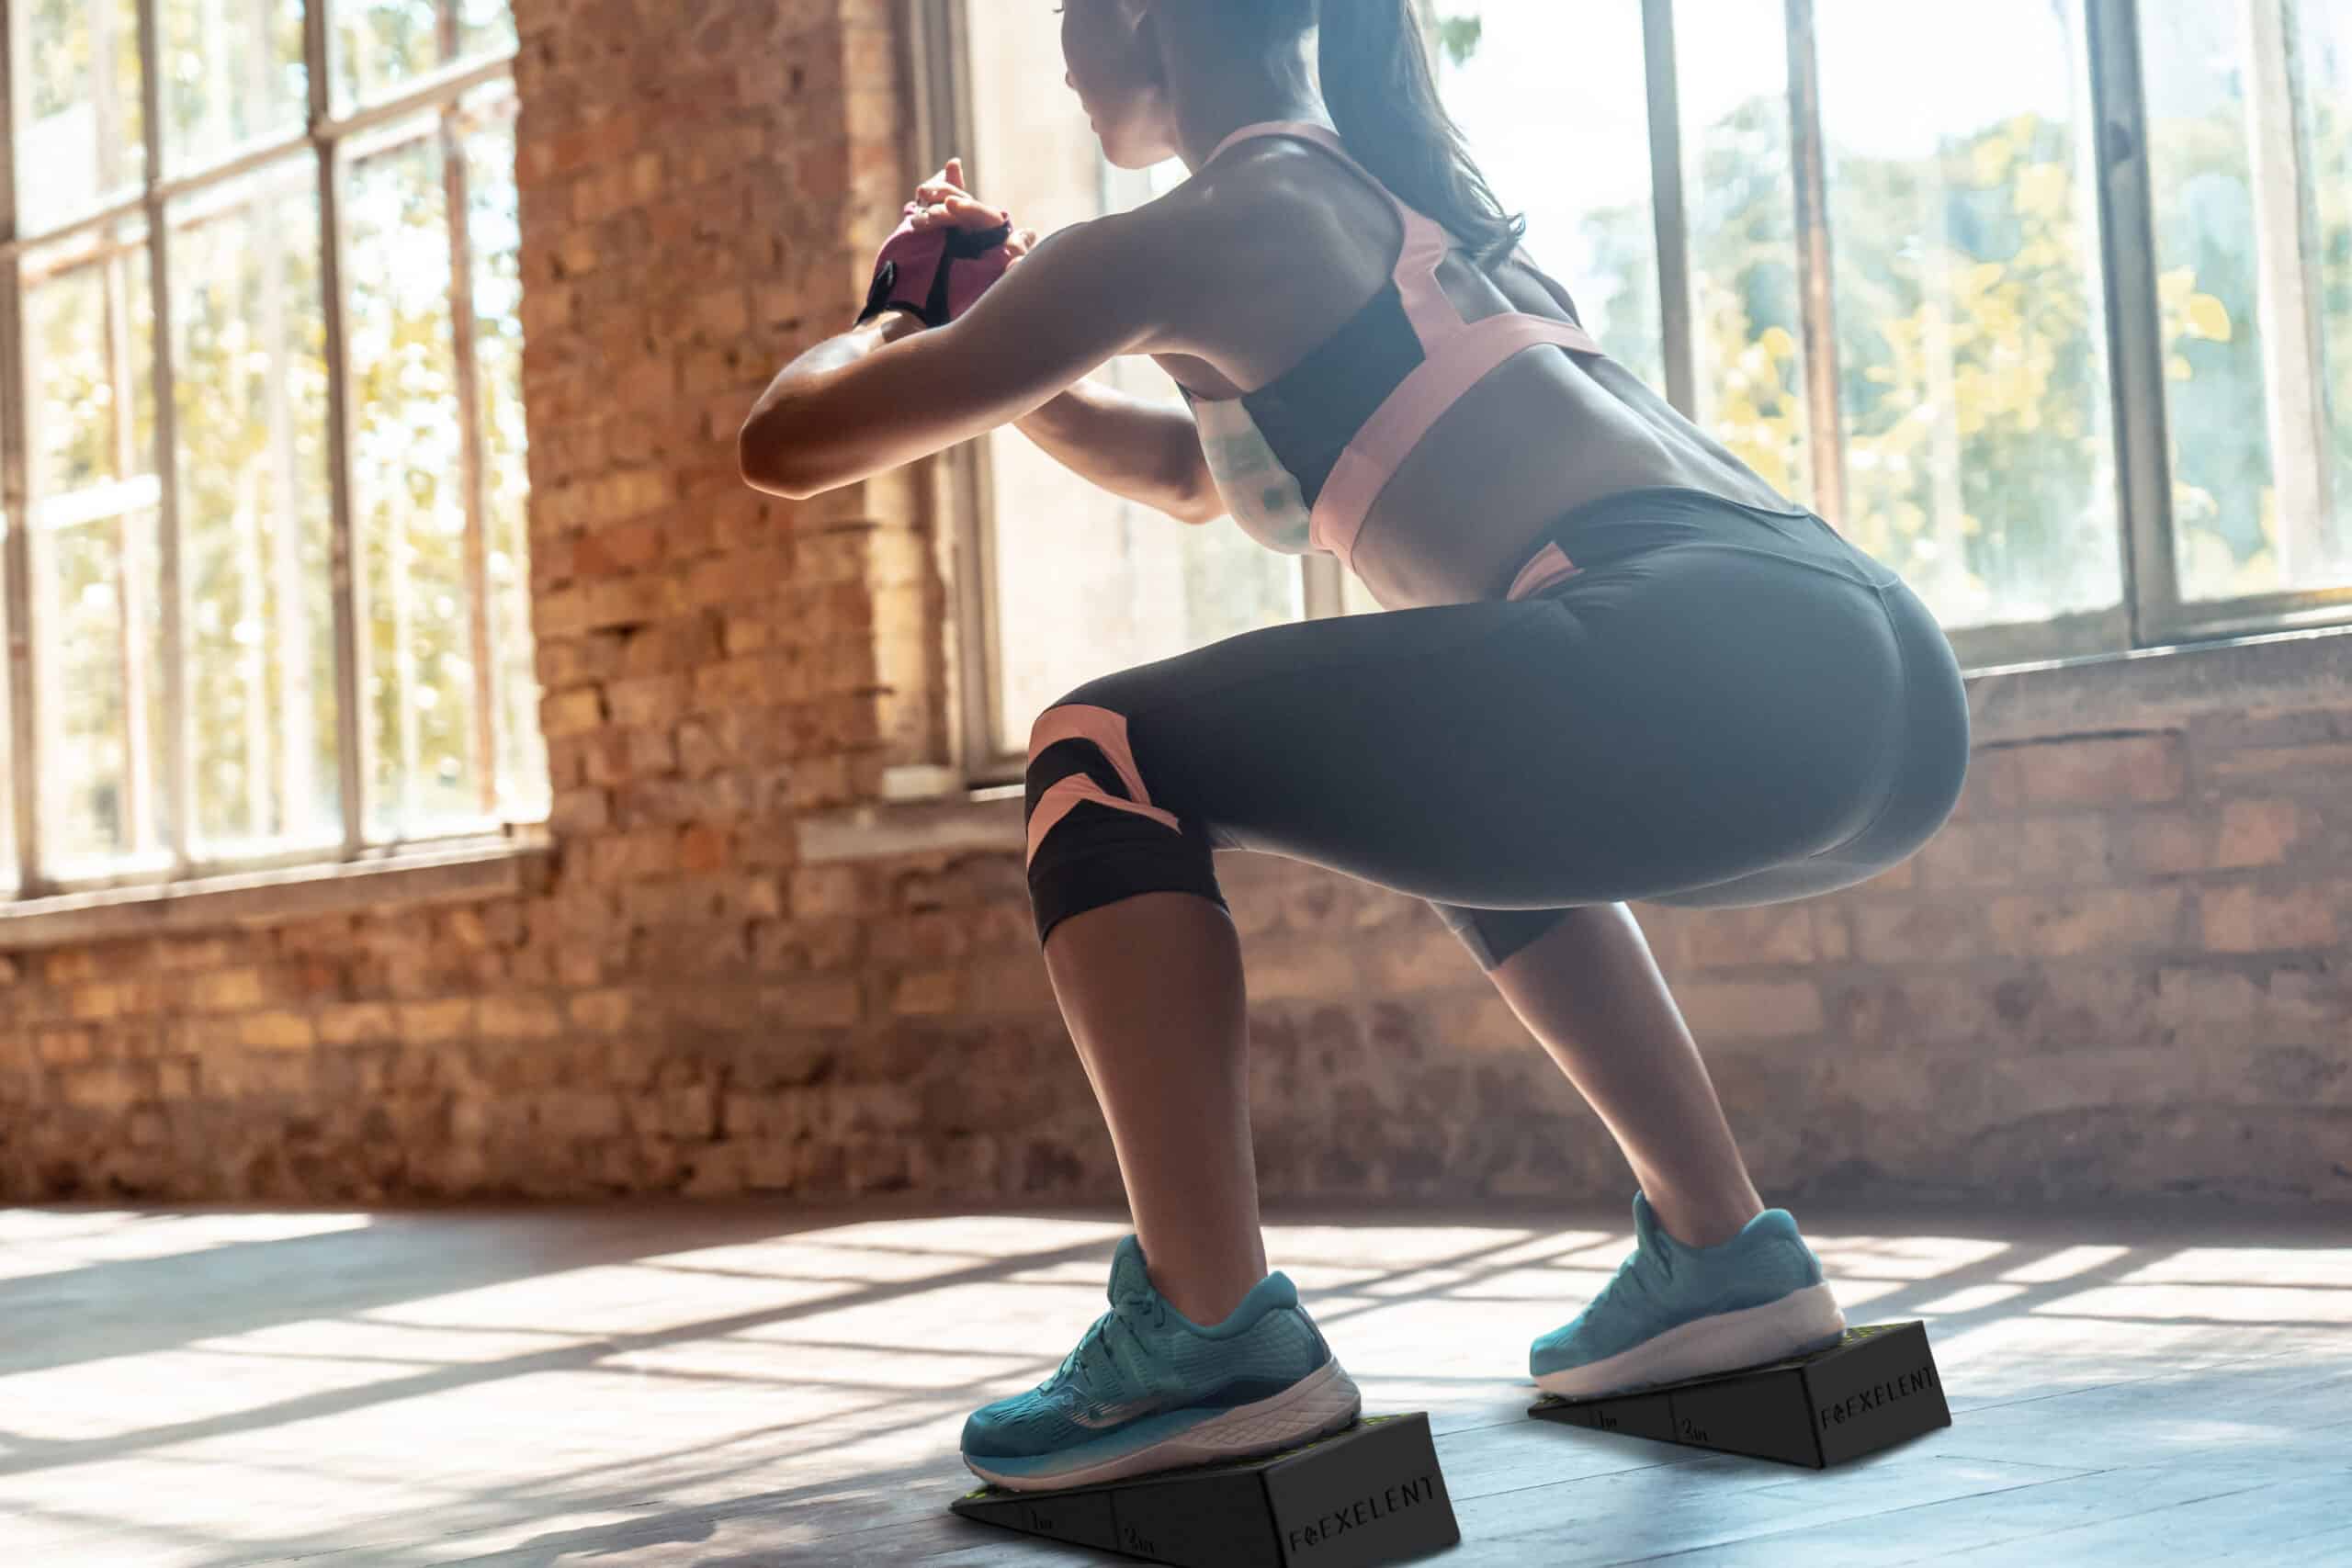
(1147, 1389)
(1675, 1312)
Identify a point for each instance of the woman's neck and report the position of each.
(1215, 102)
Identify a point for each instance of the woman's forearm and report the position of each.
(774, 430)
(1143, 451)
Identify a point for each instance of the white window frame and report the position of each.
(332, 142)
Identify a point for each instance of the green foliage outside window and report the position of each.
(1973, 345)
(250, 381)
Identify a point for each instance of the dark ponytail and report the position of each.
(1382, 93)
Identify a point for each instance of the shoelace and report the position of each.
(1096, 1339)
(1633, 1281)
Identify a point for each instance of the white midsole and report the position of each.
(1319, 1403)
(1725, 1342)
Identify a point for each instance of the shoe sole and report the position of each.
(1801, 1320)
(1324, 1402)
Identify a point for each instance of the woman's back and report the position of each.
(1293, 251)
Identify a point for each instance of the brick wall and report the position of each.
(2120, 970)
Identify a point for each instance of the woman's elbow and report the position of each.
(769, 462)
(760, 459)
(1199, 510)
(1189, 493)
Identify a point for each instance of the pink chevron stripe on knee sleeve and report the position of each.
(1107, 732)
(1106, 729)
(1057, 803)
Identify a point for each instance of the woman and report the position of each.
(1615, 665)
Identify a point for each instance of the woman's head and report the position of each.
(1130, 62)
(1137, 65)
(1118, 78)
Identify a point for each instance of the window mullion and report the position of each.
(964, 491)
(172, 676)
(1810, 157)
(15, 572)
(2127, 238)
(1673, 215)
(348, 729)
(398, 554)
(1323, 586)
(463, 328)
(297, 744)
(131, 576)
(475, 484)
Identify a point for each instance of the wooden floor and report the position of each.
(726, 1387)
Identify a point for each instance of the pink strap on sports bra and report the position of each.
(1456, 354)
(1457, 364)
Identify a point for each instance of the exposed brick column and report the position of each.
(696, 212)
(704, 186)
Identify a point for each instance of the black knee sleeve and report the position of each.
(1095, 834)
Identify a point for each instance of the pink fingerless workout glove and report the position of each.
(937, 273)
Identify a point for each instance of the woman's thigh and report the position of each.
(1699, 713)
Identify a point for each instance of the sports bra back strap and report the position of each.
(1306, 130)
(1432, 314)
(1396, 427)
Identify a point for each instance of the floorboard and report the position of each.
(721, 1386)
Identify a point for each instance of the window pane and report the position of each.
(250, 390)
(2249, 325)
(487, 26)
(1591, 222)
(1971, 311)
(89, 330)
(1740, 191)
(2201, 166)
(381, 44)
(78, 105)
(408, 474)
(2327, 62)
(493, 227)
(1087, 584)
(236, 75)
(2254, 259)
(9, 866)
(95, 591)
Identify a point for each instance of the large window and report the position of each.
(1100, 583)
(261, 416)
(2047, 303)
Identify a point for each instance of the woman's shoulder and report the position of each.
(1251, 190)
(1216, 230)
(1530, 289)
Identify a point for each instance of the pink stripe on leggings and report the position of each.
(1547, 567)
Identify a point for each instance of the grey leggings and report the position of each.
(1724, 705)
